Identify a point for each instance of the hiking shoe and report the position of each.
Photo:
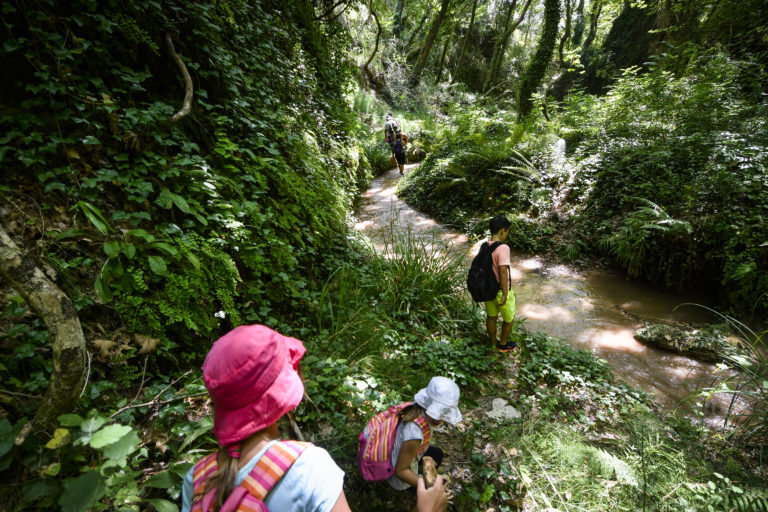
(510, 345)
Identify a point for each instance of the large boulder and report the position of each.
(710, 344)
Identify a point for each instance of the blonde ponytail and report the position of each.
(224, 478)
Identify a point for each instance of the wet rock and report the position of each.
(710, 344)
(501, 411)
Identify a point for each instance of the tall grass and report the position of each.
(413, 282)
(750, 384)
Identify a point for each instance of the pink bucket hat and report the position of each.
(252, 376)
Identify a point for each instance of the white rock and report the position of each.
(502, 411)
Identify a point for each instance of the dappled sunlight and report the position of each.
(541, 312)
(594, 310)
(615, 338)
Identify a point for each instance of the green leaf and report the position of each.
(166, 248)
(6, 436)
(95, 216)
(129, 250)
(163, 505)
(164, 480)
(123, 447)
(108, 435)
(203, 426)
(158, 265)
(112, 249)
(93, 424)
(82, 492)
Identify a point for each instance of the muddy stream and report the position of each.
(592, 310)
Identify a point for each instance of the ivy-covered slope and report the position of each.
(184, 228)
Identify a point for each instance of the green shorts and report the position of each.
(507, 310)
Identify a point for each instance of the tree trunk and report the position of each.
(427, 46)
(578, 28)
(500, 48)
(538, 65)
(397, 23)
(413, 54)
(441, 66)
(566, 32)
(594, 16)
(466, 42)
(365, 69)
(66, 334)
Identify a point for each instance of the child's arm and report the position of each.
(404, 459)
(504, 276)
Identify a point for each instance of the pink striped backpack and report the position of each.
(375, 450)
(250, 494)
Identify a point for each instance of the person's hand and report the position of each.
(434, 499)
(503, 300)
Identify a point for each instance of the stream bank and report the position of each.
(591, 309)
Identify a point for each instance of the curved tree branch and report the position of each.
(188, 88)
(376, 46)
(66, 334)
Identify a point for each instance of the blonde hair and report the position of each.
(224, 478)
(411, 412)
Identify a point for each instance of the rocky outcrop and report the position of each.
(711, 344)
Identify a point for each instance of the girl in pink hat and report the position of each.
(252, 375)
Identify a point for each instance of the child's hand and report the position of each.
(434, 499)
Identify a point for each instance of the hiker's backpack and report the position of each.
(392, 129)
(398, 147)
(250, 494)
(481, 280)
(375, 450)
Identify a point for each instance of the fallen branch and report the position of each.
(188, 88)
(66, 335)
(156, 402)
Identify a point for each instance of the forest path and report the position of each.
(592, 309)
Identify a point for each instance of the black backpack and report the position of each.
(481, 281)
(393, 128)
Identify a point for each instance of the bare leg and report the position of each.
(490, 324)
(402, 167)
(506, 328)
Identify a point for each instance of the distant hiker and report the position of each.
(398, 148)
(392, 440)
(391, 129)
(252, 375)
(494, 289)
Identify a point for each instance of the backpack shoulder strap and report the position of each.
(426, 432)
(492, 247)
(203, 470)
(272, 466)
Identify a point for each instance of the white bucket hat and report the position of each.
(440, 399)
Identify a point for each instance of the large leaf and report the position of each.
(93, 424)
(123, 447)
(82, 492)
(163, 505)
(164, 480)
(157, 265)
(70, 420)
(109, 435)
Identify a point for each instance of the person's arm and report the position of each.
(342, 505)
(504, 276)
(404, 459)
(434, 499)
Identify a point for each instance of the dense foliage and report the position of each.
(165, 230)
(179, 168)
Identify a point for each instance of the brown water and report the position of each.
(592, 310)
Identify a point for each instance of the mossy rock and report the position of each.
(710, 344)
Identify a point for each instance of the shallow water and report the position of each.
(593, 310)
